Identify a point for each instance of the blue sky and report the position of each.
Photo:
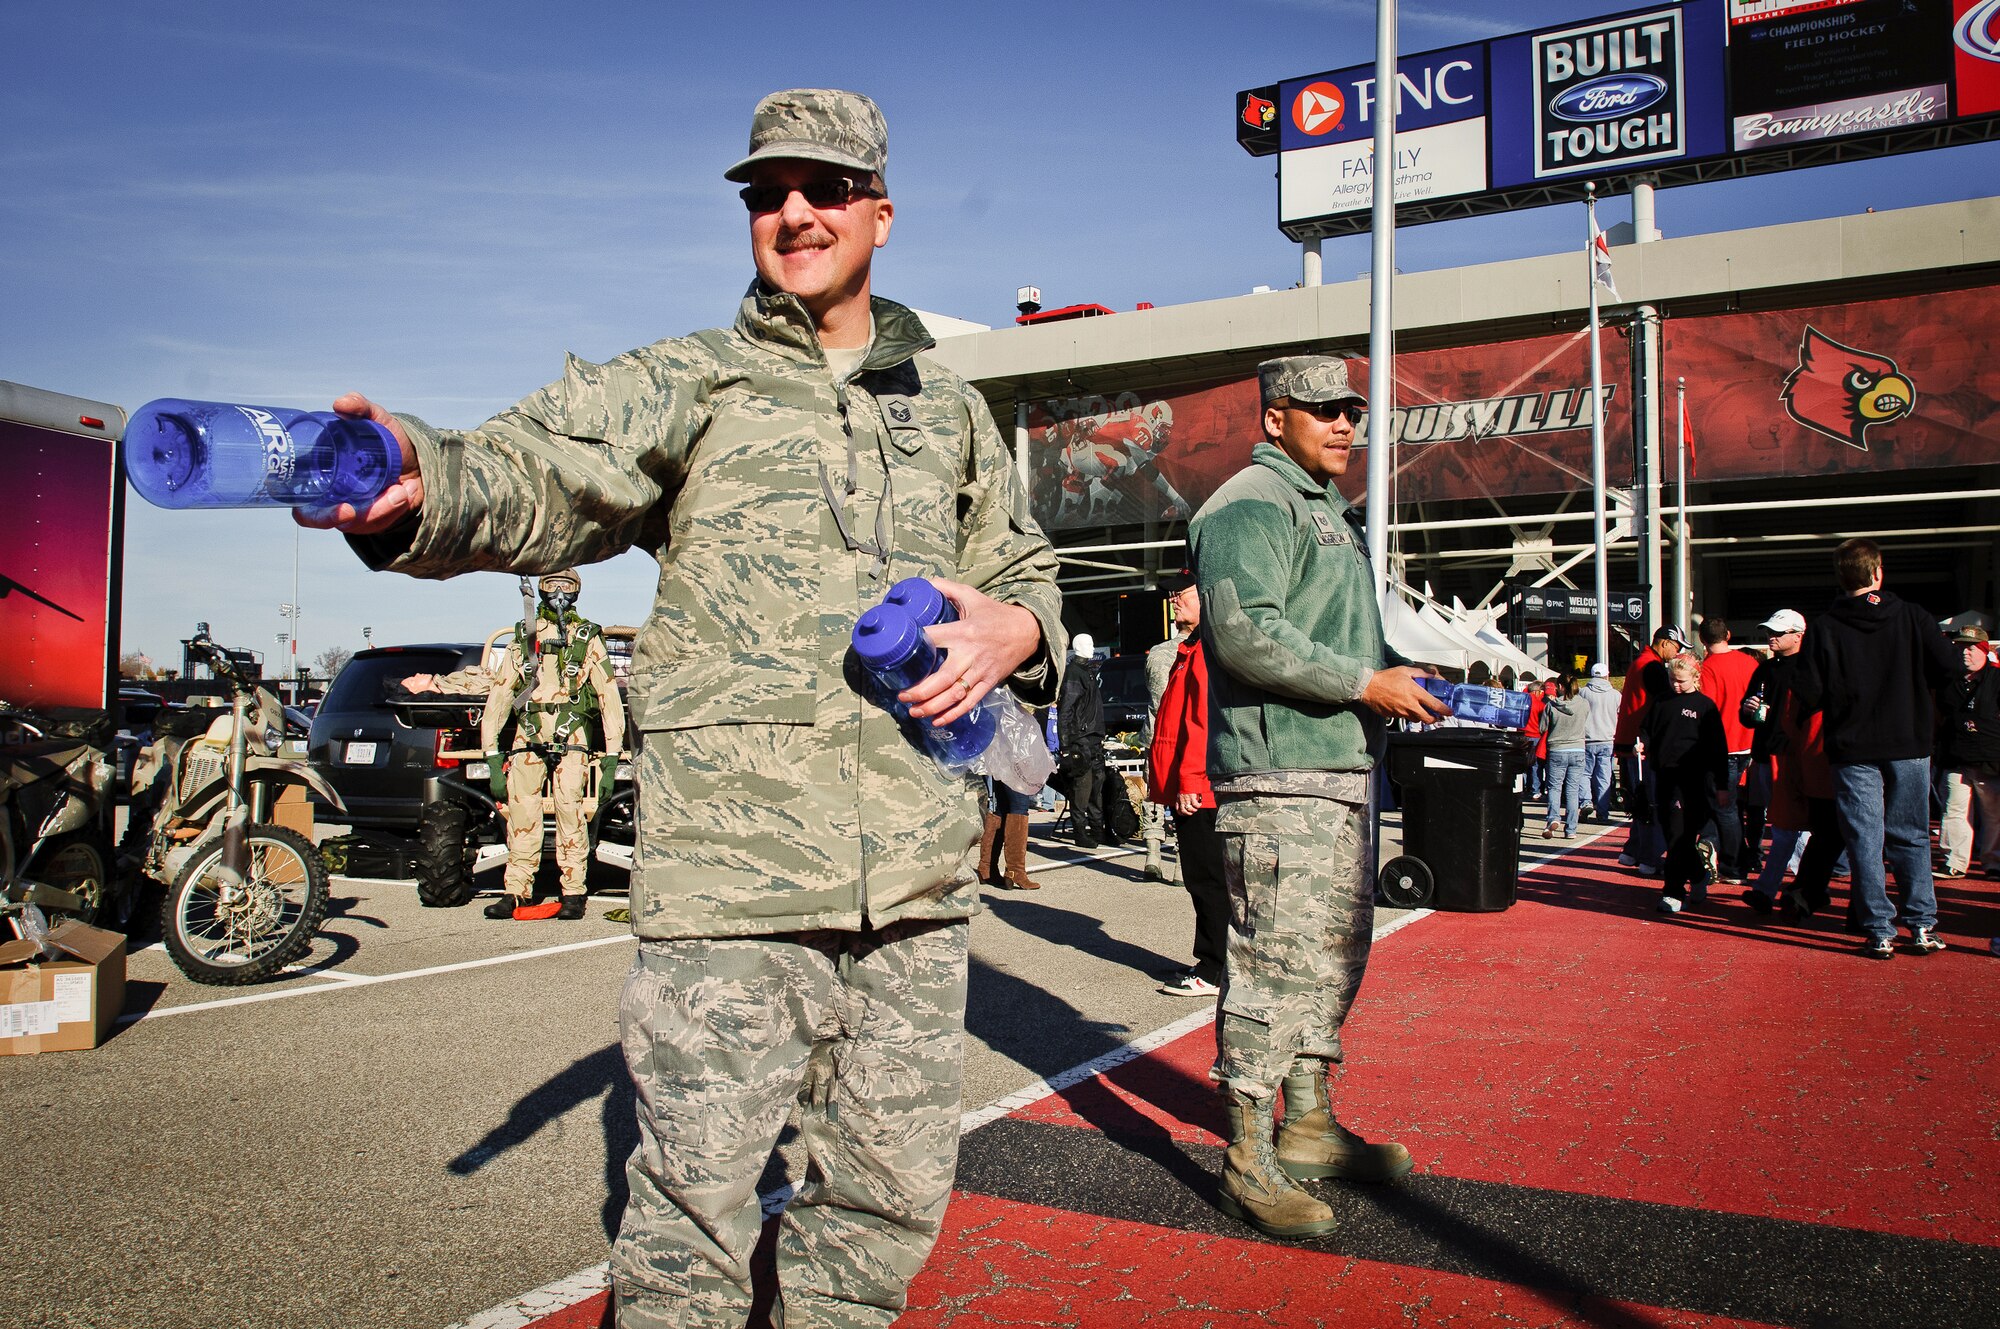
(432, 202)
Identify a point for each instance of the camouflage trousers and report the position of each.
(1301, 920)
(527, 777)
(862, 1032)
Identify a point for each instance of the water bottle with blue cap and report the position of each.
(892, 647)
(209, 454)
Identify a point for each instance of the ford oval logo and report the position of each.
(1608, 98)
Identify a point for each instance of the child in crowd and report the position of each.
(1685, 746)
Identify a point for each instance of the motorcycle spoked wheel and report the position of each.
(79, 863)
(222, 935)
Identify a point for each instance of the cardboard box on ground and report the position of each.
(294, 811)
(66, 1004)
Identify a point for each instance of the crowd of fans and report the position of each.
(1831, 750)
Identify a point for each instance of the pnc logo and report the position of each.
(1319, 108)
(1609, 97)
(1977, 34)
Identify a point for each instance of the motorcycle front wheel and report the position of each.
(226, 934)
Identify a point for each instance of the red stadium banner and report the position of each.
(1497, 420)
(1873, 385)
(55, 566)
(1900, 384)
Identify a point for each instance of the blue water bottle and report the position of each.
(1469, 701)
(206, 454)
(893, 649)
(923, 601)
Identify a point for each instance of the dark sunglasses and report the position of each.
(1350, 411)
(836, 192)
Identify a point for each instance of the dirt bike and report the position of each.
(56, 799)
(247, 896)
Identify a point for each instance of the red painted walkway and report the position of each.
(1619, 1119)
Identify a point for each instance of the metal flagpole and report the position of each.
(1681, 606)
(1381, 346)
(1381, 296)
(1597, 442)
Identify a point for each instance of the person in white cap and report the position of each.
(1763, 709)
(1080, 737)
(1599, 732)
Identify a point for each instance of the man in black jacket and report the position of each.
(1868, 666)
(1969, 756)
(1080, 737)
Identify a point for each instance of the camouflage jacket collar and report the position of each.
(777, 319)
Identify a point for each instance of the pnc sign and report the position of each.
(1433, 89)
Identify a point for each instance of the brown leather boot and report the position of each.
(1312, 1144)
(989, 866)
(1254, 1188)
(1014, 836)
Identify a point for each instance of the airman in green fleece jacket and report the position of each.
(1301, 682)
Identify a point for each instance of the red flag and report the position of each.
(1687, 438)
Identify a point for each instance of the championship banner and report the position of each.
(1498, 420)
(1804, 72)
(1878, 385)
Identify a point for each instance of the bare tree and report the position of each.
(135, 664)
(329, 661)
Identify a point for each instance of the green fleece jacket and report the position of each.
(1289, 615)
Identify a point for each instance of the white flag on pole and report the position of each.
(1600, 257)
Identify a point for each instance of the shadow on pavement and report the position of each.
(1039, 1030)
(1077, 931)
(601, 1075)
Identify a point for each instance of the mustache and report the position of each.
(796, 241)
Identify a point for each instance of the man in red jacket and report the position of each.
(1645, 846)
(1177, 776)
(1725, 680)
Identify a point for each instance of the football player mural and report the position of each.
(1107, 470)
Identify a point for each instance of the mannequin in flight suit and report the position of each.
(569, 719)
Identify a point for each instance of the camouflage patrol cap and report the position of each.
(818, 125)
(566, 580)
(1306, 378)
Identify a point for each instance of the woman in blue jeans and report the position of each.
(1565, 717)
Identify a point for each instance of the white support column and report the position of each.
(1309, 262)
(1021, 450)
(1644, 230)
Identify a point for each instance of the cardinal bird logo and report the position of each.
(1258, 113)
(1840, 390)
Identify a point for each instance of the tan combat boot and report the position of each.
(1312, 1144)
(989, 866)
(1015, 841)
(1254, 1188)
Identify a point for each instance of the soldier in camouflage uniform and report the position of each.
(803, 874)
(1300, 679)
(568, 738)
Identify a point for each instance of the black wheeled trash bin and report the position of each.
(1461, 818)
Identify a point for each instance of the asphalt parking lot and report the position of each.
(430, 1115)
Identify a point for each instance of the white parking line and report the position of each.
(349, 982)
(584, 1284)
